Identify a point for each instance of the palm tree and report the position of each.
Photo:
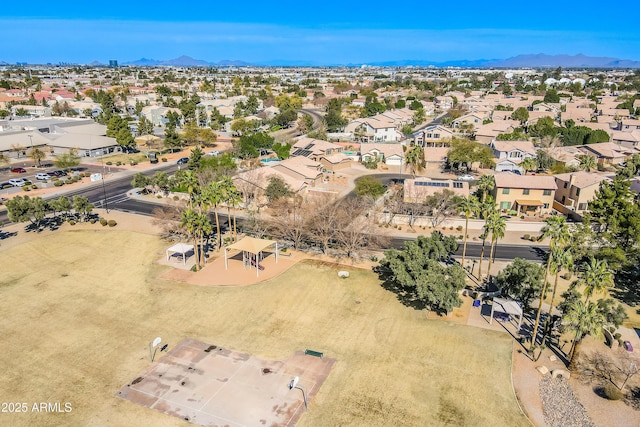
(414, 158)
(189, 180)
(587, 163)
(560, 258)
(485, 210)
(468, 206)
(232, 198)
(190, 220)
(497, 226)
(584, 319)
(485, 184)
(596, 278)
(557, 229)
(529, 164)
(213, 194)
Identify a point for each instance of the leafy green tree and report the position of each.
(67, 160)
(416, 274)
(305, 124)
(464, 152)
(368, 186)
(282, 150)
(37, 155)
(124, 138)
(333, 118)
(419, 116)
(545, 126)
(62, 204)
(140, 181)
(251, 146)
(551, 96)
(195, 158)
(82, 206)
(522, 280)
(521, 114)
(276, 189)
(171, 138)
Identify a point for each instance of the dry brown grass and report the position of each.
(80, 307)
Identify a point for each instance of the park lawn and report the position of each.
(80, 307)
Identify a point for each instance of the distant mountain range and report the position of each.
(521, 61)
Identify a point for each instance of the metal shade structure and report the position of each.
(506, 306)
(252, 249)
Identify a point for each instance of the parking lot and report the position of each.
(30, 172)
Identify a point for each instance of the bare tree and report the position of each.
(441, 205)
(355, 232)
(323, 220)
(290, 220)
(168, 218)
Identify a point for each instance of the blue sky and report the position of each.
(324, 32)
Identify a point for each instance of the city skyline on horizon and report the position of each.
(296, 32)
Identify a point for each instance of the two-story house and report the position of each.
(530, 195)
(575, 191)
(418, 189)
(509, 154)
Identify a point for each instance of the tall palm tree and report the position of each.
(485, 184)
(558, 231)
(497, 226)
(189, 180)
(596, 277)
(587, 163)
(414, 159)
(468, 206)
(529, 164)
(232, 198)
(560, 258)
(584, 319)
(213, 193)
(484, 210)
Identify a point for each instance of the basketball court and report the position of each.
(213, 386)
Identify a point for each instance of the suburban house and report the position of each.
(530, 195)
(390, 154)
(608, 153)
(327, 153)
(474, 119)
(432, 135)
(32, 110)
(628, 125)
(443, 102)
(416, 190)
(484, 134)
(575, 191)
(629, 139)
(509, 154)
(373, 129)
(569, 155)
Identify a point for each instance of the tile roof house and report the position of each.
(325, 152)
(575, 191)
(390, 154)
(416, 190)
(608, 152)
(530, 195)
(509, 154)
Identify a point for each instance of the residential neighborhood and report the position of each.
(308, 227)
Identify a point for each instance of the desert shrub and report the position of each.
(69, 181)
(92, 220)
(86, 174)
(521, 216)
(58, 183)
(612, 392)
(176, 198)
(72, 222)
(26, 187)
(118, 163)
(459, 228)
(133, 163)
(617, 335)
(451, 228)
(103, 222)
(534, 238)
(112, 223)
(374, 259)
(526, 237)
(567, 275)
(163, 160)
(109, 163)
(34, 187)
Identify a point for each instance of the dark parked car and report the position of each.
(183, 160)
(58, 173)
(18, 170)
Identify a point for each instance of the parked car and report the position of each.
(213, 153)
(4, 185)
(19, 182)
(466, 178)
(58, 173)
(18, 170)
(183, 161)
(43, 176)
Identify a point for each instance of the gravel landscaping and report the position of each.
(561, 407)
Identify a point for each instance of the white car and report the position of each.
(43, 176)
(466, 178)
(213, 153)
(19, 182)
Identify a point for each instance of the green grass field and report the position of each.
(80, 307)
